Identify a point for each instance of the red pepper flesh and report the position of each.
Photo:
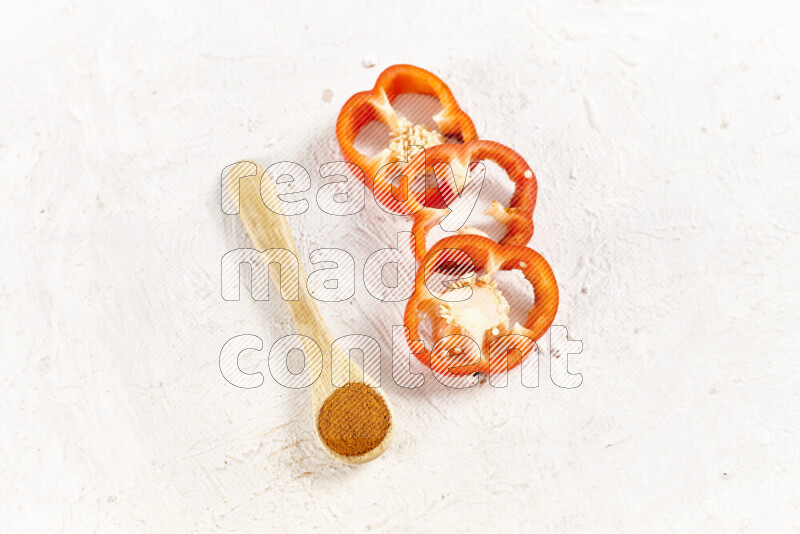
(517, 217)
(376, 105)
(489, 256)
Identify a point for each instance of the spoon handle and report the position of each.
(270, 230)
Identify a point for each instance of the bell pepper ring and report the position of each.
(461, 159)
(376, 105)
(473, 335)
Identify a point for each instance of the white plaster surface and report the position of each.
(665, 139)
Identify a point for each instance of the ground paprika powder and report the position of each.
(354, 420)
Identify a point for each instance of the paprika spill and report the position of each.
(354, 420)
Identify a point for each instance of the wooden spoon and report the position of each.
(267, 230)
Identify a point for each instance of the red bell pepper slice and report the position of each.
(502, 347)
(517, 217)
(376, 105)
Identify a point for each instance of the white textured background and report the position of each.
(665, 139)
